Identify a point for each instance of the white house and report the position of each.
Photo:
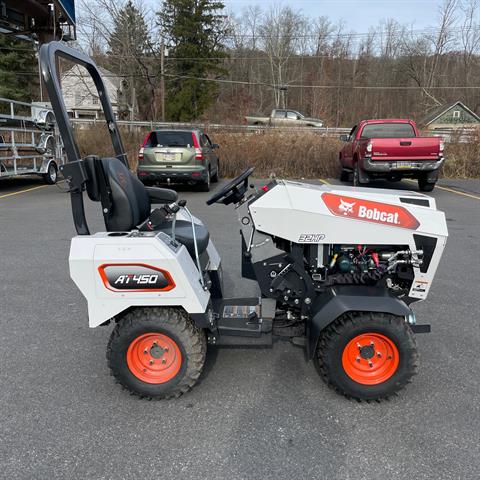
(80, 93)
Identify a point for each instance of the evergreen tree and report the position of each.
(128, 45)
(194, 30)
(18, 69)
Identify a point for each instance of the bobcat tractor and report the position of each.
(338, 269)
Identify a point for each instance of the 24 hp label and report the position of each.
(135, 277)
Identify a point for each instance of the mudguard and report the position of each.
(346, 298)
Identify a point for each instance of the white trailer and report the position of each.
(30, 143)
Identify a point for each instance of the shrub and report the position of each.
(283, 154)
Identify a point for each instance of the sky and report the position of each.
(358, 15)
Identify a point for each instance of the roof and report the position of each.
(440, 110)
(76, 71)
(387, 120)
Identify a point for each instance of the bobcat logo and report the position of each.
(346, 208)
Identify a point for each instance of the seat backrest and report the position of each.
(129, 203)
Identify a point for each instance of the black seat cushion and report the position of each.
(184, 234)
(130, 200)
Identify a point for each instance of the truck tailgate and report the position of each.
(417, 148)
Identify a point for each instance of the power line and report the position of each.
(270, 85)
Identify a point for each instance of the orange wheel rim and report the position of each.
(370, 358)
(154, 358)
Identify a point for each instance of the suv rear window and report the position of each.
(170, 139)
(388, 130)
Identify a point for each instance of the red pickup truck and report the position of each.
(390, 149)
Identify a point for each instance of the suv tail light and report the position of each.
(442, 145)
(147, 138)
(140, 154)
(198, 150)
(198, 154)
(369, 147)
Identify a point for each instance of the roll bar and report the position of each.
(49, 54)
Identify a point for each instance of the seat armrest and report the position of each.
(161, 195)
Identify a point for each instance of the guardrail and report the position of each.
(150, 125)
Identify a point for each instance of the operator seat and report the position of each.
(130, 202)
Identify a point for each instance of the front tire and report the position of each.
(344, 175)
(367, 356)
(356, 175)
(217, 174)
(156, 352)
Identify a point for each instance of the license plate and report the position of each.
(168, 157)
(406, 165)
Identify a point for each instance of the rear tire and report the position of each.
(367, 356)
(425, 186)
(156, 352)
(51, 176)
(205, 186)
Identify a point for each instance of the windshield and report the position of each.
(170, 139)
(388, 130)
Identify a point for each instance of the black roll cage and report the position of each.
(74, 171)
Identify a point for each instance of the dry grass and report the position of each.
(288, 155)
(462, 160)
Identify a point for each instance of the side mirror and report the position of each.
(215, 145)
(344, 138)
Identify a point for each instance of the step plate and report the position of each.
(241, 317)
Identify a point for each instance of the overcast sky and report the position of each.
(359, 15)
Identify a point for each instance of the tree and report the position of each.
(194, 32)
(119, 34)
(128, 44)
(282, 34)
(18, 67)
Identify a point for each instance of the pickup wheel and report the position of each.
(344, 175)
(356, 175)
(425, 186)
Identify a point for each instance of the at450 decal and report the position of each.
(135, 277)
(369, 211)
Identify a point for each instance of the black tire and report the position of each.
(356, 175)
(176, 325)
(50, 178)
(425, 186)
(336, 339)
(217, 174)
(344, 175)
(205, 186)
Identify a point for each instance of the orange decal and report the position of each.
(369, 211)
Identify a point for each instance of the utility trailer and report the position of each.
(30, 143)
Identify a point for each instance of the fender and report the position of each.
(350, 298)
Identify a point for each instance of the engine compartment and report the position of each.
(304, 271)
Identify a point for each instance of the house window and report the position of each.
(456, 114)
(94, 100)
(78, 98)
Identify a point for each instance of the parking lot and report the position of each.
(255, 414)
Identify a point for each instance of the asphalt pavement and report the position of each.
(255, 414)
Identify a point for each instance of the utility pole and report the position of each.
(162, 77)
